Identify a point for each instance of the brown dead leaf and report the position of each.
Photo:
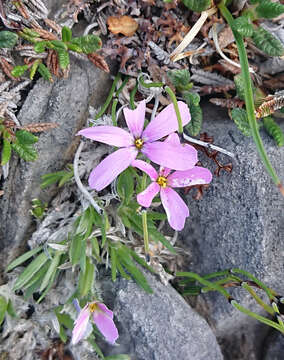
(125, 25)
(98, 61)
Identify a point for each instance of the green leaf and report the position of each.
(44, 72)
(197, 5)
(10, 309)
(6, 152)
(274, 130)
(62, 177)
(118, 357)
(25, 137)
(88, 44)
(23, 258)
(180, 79)
(31, 32)
(66, 34)
(96, 347)
(141, 261)
(121, 271)
(3, 308)
(63, 58)
(18, 71)
(33, 285)
(25, 152)
(52, 268)
(74, 47)
(268, 10)
(8, 39)
(40, 46)
(57, 45)
(133, 270)
(30, 271)
(55, 273)
(243, 26)
(266, 42)
(95, 247)
(64, 319)
(34, 68)
(86, 279)
(195, 125)
(241, 120)
(125, 185)
(75, 250)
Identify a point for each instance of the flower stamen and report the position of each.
(139, 143)
(93, 307)
(162, 181)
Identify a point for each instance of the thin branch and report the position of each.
(207, 145)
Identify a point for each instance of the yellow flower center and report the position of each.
(138, 143)
(93, 307)
(162, 181)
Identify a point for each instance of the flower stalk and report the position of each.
(249, 96)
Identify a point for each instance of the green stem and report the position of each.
(266, 307)
(249, 95)
(108, 100)
(206, 283)
(174, 100)
(125, 81)
(256, 316)
(132, 96)
(270, 293)
(145, 231)
(113, 112)
(149, 85)
(218, 282)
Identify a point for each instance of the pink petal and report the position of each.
(105, 309)
(147, 168)
(135, 119)
(166, 122)
(196, 175)
(111, 135)
(81, 324)
(173, 139)
(145, 197)
(175, 208)
(181, 157)
(106, 326)
(111, 167)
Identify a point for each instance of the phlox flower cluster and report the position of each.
(169, 154)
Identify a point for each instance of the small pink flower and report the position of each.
(163, 182)
(102, 317)
(165, 154)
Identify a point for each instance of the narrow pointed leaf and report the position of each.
(30, 271)
(6, 152)
(3, 308)
(21, 259)
(52, 268)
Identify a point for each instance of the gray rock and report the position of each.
(160, 326)
(238, 223)
(65, 102)
(274, 347)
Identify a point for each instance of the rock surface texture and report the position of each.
(238, 223)
(159, 326)
(65, 102)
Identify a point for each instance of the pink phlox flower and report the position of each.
(163, 182)
(131, 143)
(102, 317)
